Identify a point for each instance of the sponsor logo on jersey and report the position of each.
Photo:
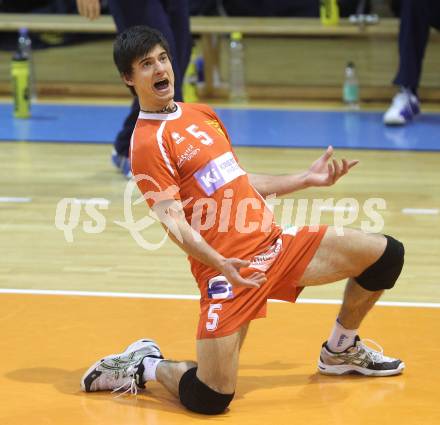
(219, 288)
(218, 172)
(189, 153)
(215, 125)
(263, 261)
(177, 137)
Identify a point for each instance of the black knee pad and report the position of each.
(198, 397)
(385, 271)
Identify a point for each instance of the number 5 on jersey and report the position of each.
(201, 135)
(213, 317)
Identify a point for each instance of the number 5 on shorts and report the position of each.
(213, 317)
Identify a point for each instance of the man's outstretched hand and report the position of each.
(326, 171)
(230, 269)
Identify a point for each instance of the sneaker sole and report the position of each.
(135, 346)
(352, 369)
(395, 123)
(399, 121)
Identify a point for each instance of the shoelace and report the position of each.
(374, 355)
(127, 381)
(131, 387)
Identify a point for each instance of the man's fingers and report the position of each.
(337, 169)
(331, 173)
(237, 262)
(254, 280)
(256, 275)
(258, 278)
(344, 166)
(329, 152)
(246, 282)
(353, 163)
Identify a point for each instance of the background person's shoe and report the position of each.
(358, 359)
(404, 108)
(121, 371)
(122, 163)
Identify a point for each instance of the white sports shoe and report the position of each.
(121, 371)
(358, 359)
(404, 107)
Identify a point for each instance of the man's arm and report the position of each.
(322, 172)
(266, 184)
(172, 217)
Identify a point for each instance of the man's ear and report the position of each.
(127, 79)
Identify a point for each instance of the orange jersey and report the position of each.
(187, 155)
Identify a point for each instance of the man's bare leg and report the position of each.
(356, 304)
(346, 256)
(169, 374)
(341, 257)
(213, 370)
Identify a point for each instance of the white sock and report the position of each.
(150, 365)
(340, 338)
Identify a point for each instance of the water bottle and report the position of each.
(24, 46)
(21, 74)
(350, 92)
(329, 12)
(237, 87)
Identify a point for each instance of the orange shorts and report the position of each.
(224, 309)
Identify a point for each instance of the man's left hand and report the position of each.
(326, 171)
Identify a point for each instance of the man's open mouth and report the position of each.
(162, 84)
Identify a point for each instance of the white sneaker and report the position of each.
(358, 359)
(121, 371)
(404, 107)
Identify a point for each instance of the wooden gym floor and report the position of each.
(49, 340)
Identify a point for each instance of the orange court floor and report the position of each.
(49, 341)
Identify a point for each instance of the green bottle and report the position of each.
(20, 72)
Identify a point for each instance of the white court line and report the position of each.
(420, 211)
(191, 297)
(336, 208)
(91, 201)
(14, 200)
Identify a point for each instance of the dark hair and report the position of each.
(134, 43)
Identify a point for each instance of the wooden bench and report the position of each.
(208, 28)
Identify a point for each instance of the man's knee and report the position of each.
(198, 397)
(384, 272)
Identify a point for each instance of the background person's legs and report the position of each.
(172, 20)
(416, 18)
(413, 37)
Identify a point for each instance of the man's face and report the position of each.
(153, 79)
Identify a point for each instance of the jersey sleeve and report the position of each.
(154, 170)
